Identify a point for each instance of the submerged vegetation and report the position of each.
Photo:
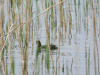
(70, 30)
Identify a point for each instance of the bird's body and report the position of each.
(52, 47)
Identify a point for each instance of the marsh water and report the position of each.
(71, 25)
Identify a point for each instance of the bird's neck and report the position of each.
(39, 44)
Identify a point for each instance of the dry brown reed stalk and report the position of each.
(60, 16)
(32, 28)
(3, 66)
(89, 24)
(1, 30)
(99, 26)
(29, 16)
(31, 25)
(1, 44)
(22, 17)
(64, 23)
(1, 34)
(71, 65)
(24, 67)
(32, 36)
(69, 20)
(37, 32)
(0, 6)
(1, 20)
(46, 23)
(26, 24)
(95, 39)
(13, 14)
(26, 44)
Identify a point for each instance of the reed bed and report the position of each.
(21, 24)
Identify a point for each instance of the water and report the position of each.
(75, 53)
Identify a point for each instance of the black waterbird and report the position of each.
(52, 47)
